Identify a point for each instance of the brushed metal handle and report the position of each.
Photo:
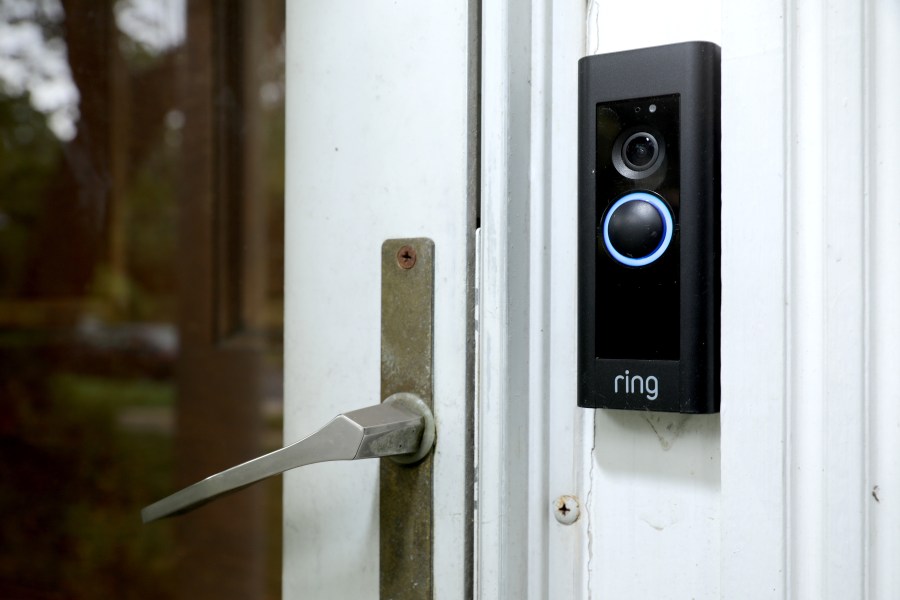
(402, 427)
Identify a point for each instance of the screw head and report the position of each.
(406, 257)
(566, 509)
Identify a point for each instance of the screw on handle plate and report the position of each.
(406, 257)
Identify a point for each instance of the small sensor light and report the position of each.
(652, 108)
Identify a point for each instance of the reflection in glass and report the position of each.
(131, 277)
(34, 65)
(153, 26)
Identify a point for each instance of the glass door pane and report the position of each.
(141, 244)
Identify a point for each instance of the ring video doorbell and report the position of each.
(648, 231)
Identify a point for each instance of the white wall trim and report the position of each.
(811, 333)
(827, 300)
(883, 281)
(501, 480)
(570, 429)
(754, 299)
(529, 429)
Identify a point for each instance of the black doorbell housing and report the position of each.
(648, 229)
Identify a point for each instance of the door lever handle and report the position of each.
(401, 427)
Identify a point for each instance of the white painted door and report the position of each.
(380, 131)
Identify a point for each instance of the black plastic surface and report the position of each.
(636, 229)
(649, 335)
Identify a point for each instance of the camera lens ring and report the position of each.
(633, 167)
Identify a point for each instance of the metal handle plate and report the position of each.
(402, 427)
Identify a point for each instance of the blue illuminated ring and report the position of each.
(668, 226)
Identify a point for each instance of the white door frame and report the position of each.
(527, 259)
(811, 335)
(811, 332)
(535, 444)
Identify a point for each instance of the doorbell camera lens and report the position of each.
(639, 151)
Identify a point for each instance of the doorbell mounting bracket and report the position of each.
(649, 229)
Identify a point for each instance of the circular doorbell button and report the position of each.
(637, 229)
